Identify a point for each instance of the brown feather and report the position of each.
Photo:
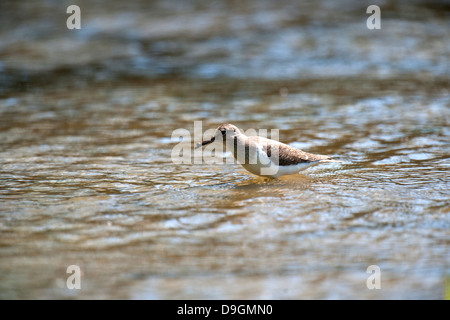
(288, 155)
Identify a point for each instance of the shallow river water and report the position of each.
(87, 179)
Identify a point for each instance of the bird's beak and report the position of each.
(205, 142)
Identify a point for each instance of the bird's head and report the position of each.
(223, 132)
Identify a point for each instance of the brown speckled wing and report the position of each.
(289, 155)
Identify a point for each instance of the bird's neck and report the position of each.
(233, 142)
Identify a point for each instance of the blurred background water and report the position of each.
(86, 177)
